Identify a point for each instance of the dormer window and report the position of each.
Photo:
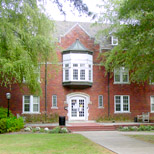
(77, 66)
(114, 40)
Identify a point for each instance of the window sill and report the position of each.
(122, 112)
(152, 112)
(101, 107)
(54, 107)
(121, 82)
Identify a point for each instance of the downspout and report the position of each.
(108, 76)
(45, 90)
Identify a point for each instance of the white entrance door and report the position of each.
(78, 108)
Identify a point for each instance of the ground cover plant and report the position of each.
(147, 138)
(48, 144)
(139, 128)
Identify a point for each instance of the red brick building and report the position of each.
(80, 90)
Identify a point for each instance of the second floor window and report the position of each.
(121, 75)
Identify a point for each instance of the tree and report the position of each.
(133, 23)
(26, 39)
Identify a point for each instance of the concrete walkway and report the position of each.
(119, 143)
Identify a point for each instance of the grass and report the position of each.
(147, 138)
(48, 144)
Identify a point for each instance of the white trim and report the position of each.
(121, 104)
(120, 73)
(31, 105)
(151, 103)
(54, 107)
(85, 96)
(99, 102)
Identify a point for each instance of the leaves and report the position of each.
(134, 27)
(26, 39)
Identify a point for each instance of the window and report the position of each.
(82, 74)
(54, 101)
(89, 75)
(75, 74)
(152, 103)
(100, 101)
(122, 104)
(114, 40)
(31, 104)
(66, 75)
(121, 75)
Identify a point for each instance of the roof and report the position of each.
(63, 27)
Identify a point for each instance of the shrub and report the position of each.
(3, 127)
(14, 124)
(56, 130)
(3, 113)
(64, 130)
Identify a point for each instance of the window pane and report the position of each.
(66, 65)
(27, 99)
(152, 103)
(89, 75)
(82, 65)
(100, 103)
(82, 74)
(125, 76)
(118, 103)
(35, 100)
(152, 107)
(75, 74)
(54, 101)
(35, 108)
(75, 65)
(27, 107)
(117, 77)
(66, 74)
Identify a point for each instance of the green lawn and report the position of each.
(147, 138)
(48, 144)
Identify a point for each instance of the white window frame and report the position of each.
(53, 106)
(100, 106)
(151, 103)
(121, 72)
(114, 39)
(31, 105)
(121, 104)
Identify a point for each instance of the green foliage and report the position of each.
(55, 130)
(40, 118)
(135, 128)
(11, 124)
(26, 39)
(122, 118)
(3, 127)
(133, 24)
(3, 113)
(14, 124)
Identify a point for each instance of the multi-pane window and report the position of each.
(54, 101)
(82, 74)
(121, 75)
(31, 104)
(122, 103)
(100, 101)
(75, 74)
(66, 75)
(152, 103)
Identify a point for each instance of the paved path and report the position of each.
(120, 143)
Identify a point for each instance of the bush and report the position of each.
(11, 124)
(55, 130)
(3, 127)
(3, 113)
(14, 124)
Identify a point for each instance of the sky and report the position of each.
(55, 14)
